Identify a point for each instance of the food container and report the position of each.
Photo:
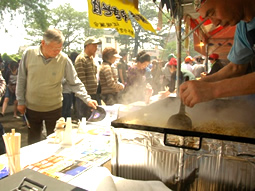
(218, 158)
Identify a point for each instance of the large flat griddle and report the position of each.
(235, 116)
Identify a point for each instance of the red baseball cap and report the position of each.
(172, 62)
(214, 56)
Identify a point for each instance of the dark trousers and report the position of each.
(82, 110)
(67, 104)
(110, 99)
(36, 118)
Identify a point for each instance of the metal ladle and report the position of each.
(180, 120)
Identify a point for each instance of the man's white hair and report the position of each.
(53, 34)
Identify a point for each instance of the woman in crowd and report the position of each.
(108, 77)
(136, 81)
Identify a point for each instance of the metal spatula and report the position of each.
(180, 120)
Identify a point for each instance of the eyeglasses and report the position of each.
(54, 46)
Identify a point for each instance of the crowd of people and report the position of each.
(114, 80)
(78, 82)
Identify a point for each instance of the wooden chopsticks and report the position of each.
(12, 144)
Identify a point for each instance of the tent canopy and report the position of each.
(215, 39)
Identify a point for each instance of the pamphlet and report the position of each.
(69, 163)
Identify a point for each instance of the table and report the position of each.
(66, 163)
(92, 176)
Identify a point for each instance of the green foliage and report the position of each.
(72, 23)
(34, 10)
(142, 37)
(169, 48)
(9, 58)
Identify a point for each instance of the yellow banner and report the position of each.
(115, 14)
(142, 20)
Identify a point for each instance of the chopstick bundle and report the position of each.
(12, 144)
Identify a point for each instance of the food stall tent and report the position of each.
(216, 154)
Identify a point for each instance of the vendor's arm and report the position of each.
(21, 84)
(229, 71)
(216, 85)
(193, 92)
(77, 86)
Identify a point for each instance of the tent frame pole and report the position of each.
(179, 43)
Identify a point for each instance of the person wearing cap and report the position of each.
(171, 55)
(171, 81)
(87, 73)
(188, 63)
(172, 66)
(165, 69)
(110, 86)
(39, 88)
(233, 79)
(198, 67)
(216, 64)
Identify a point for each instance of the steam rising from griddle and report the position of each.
(221, 112)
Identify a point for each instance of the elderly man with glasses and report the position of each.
(39, 89)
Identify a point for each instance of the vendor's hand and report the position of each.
(193, 92)
(21, 109)
(93, 104)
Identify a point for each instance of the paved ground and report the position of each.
(9, 122)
